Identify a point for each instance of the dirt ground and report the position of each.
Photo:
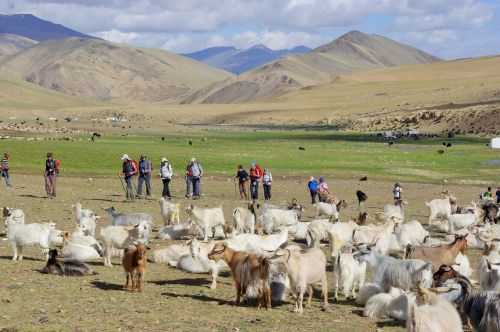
(172, 300)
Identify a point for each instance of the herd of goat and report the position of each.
(415, 278)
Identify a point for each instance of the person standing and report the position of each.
(129, 169)
(196, 171)
(312, 185)
(166, 173)
(242, 176)
(397, 193)
(255, 176)
(488, 195)
(50, 174)
(145, 170)
(323, 191)
(497, 194)
(267, 180)
(4, 167)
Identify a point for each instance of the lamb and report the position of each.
(350, 273)
(13, 216)
(244, 220)
(66, 267)
(440, 208)
(119, 237)
(22, 235)
(170, 212)
(431, 313)
(128, 219)
(274, 219)
(208, 220)
(330, 210)
(392, 272)
(305, 268)
(410, 233)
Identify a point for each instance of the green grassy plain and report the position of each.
(326, 152)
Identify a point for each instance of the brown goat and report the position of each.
(445, 272)
(441, 255)
(134, 264)
(247, 270)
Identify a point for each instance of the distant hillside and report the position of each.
(12, 44)
(34, 28)
(354, 51)
(103, 70)
(239, 61)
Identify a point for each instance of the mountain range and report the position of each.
(239, 61)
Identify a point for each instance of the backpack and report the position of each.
(258, 171)
(57, 165)
(135, 167)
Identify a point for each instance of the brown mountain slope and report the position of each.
(351, 52)
(12, 44)
(103, 70)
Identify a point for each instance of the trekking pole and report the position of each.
(235, 191)
(123, 184)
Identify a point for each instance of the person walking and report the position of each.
(50, 174)
(166, 173)
(242, 176)
(145, 170)
(195, 170)
(129, 169)
(497, 194)
(323, 191)
(4, 167)
(487, 195)
(255, 176)
(312, 185)
(397, 193)
(267, 180)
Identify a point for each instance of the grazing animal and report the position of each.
(128, 219)
(460, 221)
(441, 255)
(305, 268)
(350, 273)
(368, 290)
(410, 233)
(42, 235)
(273, 219)
(170, 212)
(258, 244)
(119, 237)
(207, 220)
(134, 263)
(377, 306)
(440, 208)
(66, 267)
(248, 270)
(244, 220)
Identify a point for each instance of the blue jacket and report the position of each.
(313, 185)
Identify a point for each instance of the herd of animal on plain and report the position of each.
(423, 280)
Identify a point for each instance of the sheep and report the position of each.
(431, 313)
(13, 216)
(128, 219)
(330, 210)
(410, 233)
(66, 267)
(206, 219)
(22, 235)
(350, 273)
(258, 244)
(440, 208)
(170, 254)
(459, 221)
(392, 272)
(244, 220)
(119, 237)
(489, 275)
(273, 219)
(197, 261)
(304, 268)
(170, 212)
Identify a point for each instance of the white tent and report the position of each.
(495, 143)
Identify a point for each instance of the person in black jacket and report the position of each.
(242, 177)
(128, 172)
(50, 175)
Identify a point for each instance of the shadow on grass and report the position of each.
(107, 285)
(24, 259)
(183, 281)
(33, 196)
(390, 323)
(108, 200)
(199, 297)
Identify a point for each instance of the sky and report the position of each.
(446, 28)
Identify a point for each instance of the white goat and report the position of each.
(170, 212)
(13, 216)
(175, 232)
(440, 208)
(207, 220)
(42, 235)
(462, 265)
(243, 220)
(350, 273)
(377, 305)
(119, 237)
(395, 213)
(81, 213)
(274, 219)
(319, 230)
(304, 269)
(81, 247)
(459, 221)
(368, 290)
(128, 219)
(410, 233)
(170, 255)
(327, 209)
(258, 244)
(489, 275)
(299, 230)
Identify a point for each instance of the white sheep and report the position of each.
(170, 212)
(120, 237)
(42, 235)
(207, 220)
(243, 220)
(273, 220)
(350, 273)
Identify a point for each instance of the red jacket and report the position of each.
(256, 172)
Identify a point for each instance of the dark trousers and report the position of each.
(254, 189)
(267, 191)
(130, 189)
(314, 195)
(243, 190)
(166, 188)
(50, 185)
(196, 186)
(144, 178)
(6, 177)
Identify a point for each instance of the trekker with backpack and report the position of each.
(194, 170)
(145, 169)
(255, 176)
(166, 174)
(397, 192)
(129, 169)
(4, 167)
(51, 172)
(313, 185)
(242, 176)
(267, 180)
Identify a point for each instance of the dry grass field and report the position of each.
(172, 300)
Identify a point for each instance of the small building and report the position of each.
(495, 143)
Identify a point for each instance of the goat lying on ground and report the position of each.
(248, 270)
(66, 268)
(134, 264)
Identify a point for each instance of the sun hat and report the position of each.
(164, 160)
(125, 157)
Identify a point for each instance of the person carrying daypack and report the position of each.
(267, 180)
(195, 171)
(145, 170)
(242, 177)
(50, 175)
(255, 176)
(166, 174)
(129, 169)
(4, 167)
(397, 194)
(497, 194)
(312, 185)
(323, 190)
